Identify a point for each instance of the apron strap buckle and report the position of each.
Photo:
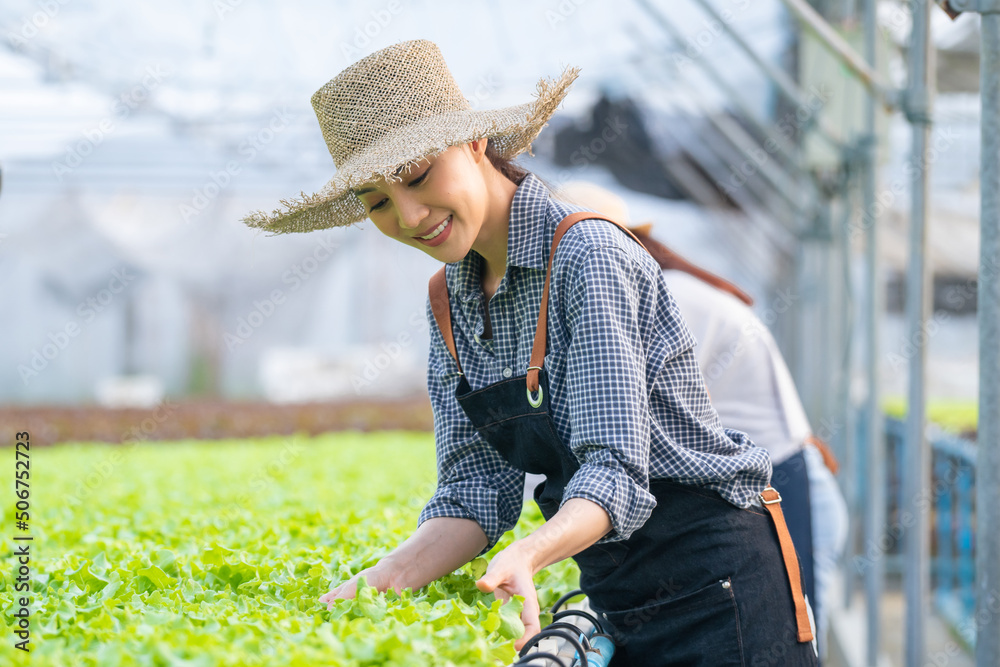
(770, 496)
(772, 505)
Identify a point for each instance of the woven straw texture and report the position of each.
(384, 113)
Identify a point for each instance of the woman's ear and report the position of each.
(478, 148)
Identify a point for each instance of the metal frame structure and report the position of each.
(812, 215)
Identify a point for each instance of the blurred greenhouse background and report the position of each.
(133, 137)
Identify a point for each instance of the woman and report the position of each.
(661, 508)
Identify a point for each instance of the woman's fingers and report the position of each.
(488, 582)
(508, 574)
(327, 598)
(331, 595)
(345, 590)
(493, 582)
(507, 588)
(530, 618)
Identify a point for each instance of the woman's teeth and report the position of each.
(438, 230)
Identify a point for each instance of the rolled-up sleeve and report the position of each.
(608, 299)
(474, 481)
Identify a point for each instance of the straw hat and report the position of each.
(384, 113)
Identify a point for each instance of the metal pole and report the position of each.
(988, 450)
(787, 149)
(785, 85)
(874, 521)
(916, 577)
(865, 71)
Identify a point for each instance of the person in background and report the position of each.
(753, 391)
(682, 545)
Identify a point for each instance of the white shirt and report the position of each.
(746, 376)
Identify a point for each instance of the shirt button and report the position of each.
(507, 372)
(726, 585)
(476, 337)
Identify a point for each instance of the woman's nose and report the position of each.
(411, 213)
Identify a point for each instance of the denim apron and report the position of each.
(702, 582)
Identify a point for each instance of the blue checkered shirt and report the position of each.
(626, 395)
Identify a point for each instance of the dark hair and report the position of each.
(511, 171)
(668, 259)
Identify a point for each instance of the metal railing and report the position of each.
(948, 500)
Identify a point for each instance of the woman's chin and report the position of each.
(452, 250)
(447, 255)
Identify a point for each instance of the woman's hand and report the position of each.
(378, 576)
(439, 546)
(578, 524)
(511, 573)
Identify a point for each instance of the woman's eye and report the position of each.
(420, 178)
(416, 181)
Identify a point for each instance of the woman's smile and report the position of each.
(438, 235)
(446, 204)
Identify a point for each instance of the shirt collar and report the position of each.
(526, 235)
(526, 239)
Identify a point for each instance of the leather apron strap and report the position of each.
(441, 305)
(771, 501)
(824, 449)
(538, 348)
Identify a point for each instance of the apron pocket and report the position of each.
(697, 628)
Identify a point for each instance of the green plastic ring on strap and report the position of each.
(535, 402)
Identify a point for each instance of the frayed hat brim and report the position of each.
(512, 130)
